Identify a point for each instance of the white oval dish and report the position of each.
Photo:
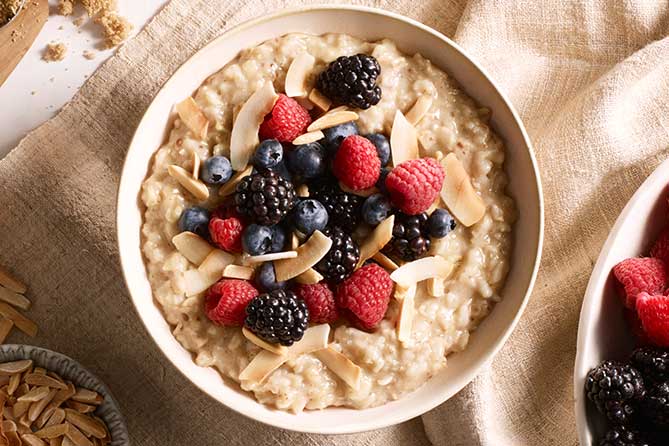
(602, 330)
(524, 187)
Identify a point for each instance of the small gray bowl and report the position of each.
(71, 370)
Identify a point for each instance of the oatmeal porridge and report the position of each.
(296, 209)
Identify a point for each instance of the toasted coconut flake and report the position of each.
(308, 138)
(192, 246)
(305, 103)
(297, 74)
(436, 287)
(385, 261)
(361, 193)
(215, 263)
(402, 292)
(309, 277)
(199, 190)
(191, 114)
(197, 282)
(459, 194)
(11, 282)
(36, 394)
(6, 326)
(421, 269)
(294, 241)
(405, 320)
(308, 254)
(56, 430)
(379, 238)
(403, 140)
(320, 100)
(238, 272)
(195, 159)
(14, 367)
(419, 109)
(332, 119)
(244, 137)
(229, 187)
(270, 257)
(341, 366)
(277, 349)
(302, 191)
(87, 424)
(38, 379)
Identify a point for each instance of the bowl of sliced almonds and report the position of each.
(47, 398)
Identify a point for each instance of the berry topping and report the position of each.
(356, 164)
(640, 274)
(309, 216)
(622, 436)
(410, 237)
(320, 301)
(660, 249)
(341, 259)
(278, 317)
(268, 155)
(226, 233)
(615, 388)
(335, 135)
(381, 182)
(415, 184)
(226, 300)
(375, 209)
(440, 223)
(366, 295)
(286, 121)
(216, 170)
(279, 238)
(343, 208)
(265, 278)
(351, 80)
(257, 239)
(307, 161)
(265, 197)
(382, 146)
(195, 220)
(656, 405)
(652, 362)
(654, 314)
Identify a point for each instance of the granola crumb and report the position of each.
(90, 55)
(116, 28)
(55, 52)
(94, 6)
(65, 7)
(79, 21)
(33, 93)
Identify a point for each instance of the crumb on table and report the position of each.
(55, 52)
(79, 21)
(90, 55)
(116, 28)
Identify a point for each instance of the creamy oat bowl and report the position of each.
(269, 208)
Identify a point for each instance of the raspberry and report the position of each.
(320, 302)
(654, 314)
(660, 249)
(286, 121)
(640, 274)
(415, 184)
(356, 164)
(366, 295)
(226, 233)
(226, 300)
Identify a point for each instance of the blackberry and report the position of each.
(343, 208)
(411, 238)
(266, 197)
(656, 405)
(278, 317)
(341, 259)
(652, 362)
(351, 80)
(615, 388)
(622, 436)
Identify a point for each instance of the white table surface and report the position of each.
(36, 90)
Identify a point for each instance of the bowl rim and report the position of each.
(492, 350)
(594, 290)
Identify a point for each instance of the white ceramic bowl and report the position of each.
(603, 332)
(524, 186)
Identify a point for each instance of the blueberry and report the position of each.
(375, 209)
(307, 160)
(309, 216)
(268, 155)
(266, 278)
(335, 135)
(216, 170)
(195, 220)
(278, 238)
(381, 182)
(440, 223)
(256, 239)
(382, 146)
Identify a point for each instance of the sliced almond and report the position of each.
(195, 159)
(195, 187)
(402, 292)
(37, 407)
(229, 187)
(302, 191)
(6, 326)
(22, 389)
(65, 442)
(332, 119)
(85, 423)
(37, 379)
(420, 107)
(264, 363)
(191, 114)
(215, 263)
(305, 103)
(338, 109)
(16, 299)
(238, 272)
(308, 254)
(32, 440)
(270, 257)
(45, 416)
(11, 282)
(7, 426)
(360, 193)
(277, 349)
(192, 246)
(13, 438)
(14, 382)
(436, 287)
(36, 394)
(197, 282)
(244, 137)
(297, 74)
(294, 242)
(80, 407)
(341, 366)
(379, 238)
(421, 269)
(459, 194)
(14, 367)
(320, 100)
(77, 437)
(405, 320)
(20, 408)
(64, 395)
(87, 396)
(56, 430)
(403, 140)
(57, 417)
(385, 261)
(309, 277)
(308, 138)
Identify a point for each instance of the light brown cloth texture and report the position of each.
(590, 82)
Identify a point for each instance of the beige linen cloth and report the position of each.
(590, 80)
